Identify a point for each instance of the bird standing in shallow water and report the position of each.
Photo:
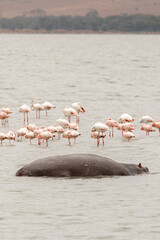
(125, 117)
(25, 109)
(45, 136)
(3, 137)
(128, 135)
(111, 124)
(11, 136)
(38, 108)
(148, 129)
(79, 108)
(100, 128)
(47, 106)
(156, 125)
(146, 119)
(69, 111)
(4, 116)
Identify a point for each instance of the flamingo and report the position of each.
(38, 131)
(45, 136)
(75, 134)
(146, 119)
(11, 136)
(125, 117)
(21, 132)
(25, 109)
(30, 135)
(4, 116)
(100, 128)
(67, 134)
(31, 127)
(79, 108)
(97, 135)
(48, 106)
(52, 129)
(111, 124)
(128, 135)
(62, 122)
(59, 130)
(69, 111)
(156, 125)
(73, 126)
(38, 108)
(128, 126)
(148, 129)
(3, 137)
(6, 110)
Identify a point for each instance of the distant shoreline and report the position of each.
(61, 31)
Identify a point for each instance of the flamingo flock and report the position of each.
(125, 125)
(66, 129)
(63, 128)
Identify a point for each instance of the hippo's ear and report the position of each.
(139, 165)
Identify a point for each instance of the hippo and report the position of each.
(79, 165)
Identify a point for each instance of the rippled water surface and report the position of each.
(109, 75)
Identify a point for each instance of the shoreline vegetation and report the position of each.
(63, 31)
(91, 23)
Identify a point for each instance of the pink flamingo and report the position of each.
(79, 108)
(73, 126)
(52, 129)
(128, 126)
(31, 127)
(48, 106)
(60, 130)
(156, 125)
(3, 137)
(97, 135)
(8, 111)
(125, 117)
(146, 119)
(30, 135)
(148, 129)
(25, 109)
(38, 108)
(45, 136)
(4, 116)
(128, 135)
(69, 111)
(11, 136)
(38, 131)
(67, 134)
(22, 132)
(100, 128)
(75, 134)
(111, 124)
(62, 122)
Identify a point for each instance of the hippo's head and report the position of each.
(143, 169)
(23, 172)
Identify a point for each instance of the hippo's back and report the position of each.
(76, 165)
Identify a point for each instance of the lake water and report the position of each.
(109, 75)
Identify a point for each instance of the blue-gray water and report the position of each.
(109, 75)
